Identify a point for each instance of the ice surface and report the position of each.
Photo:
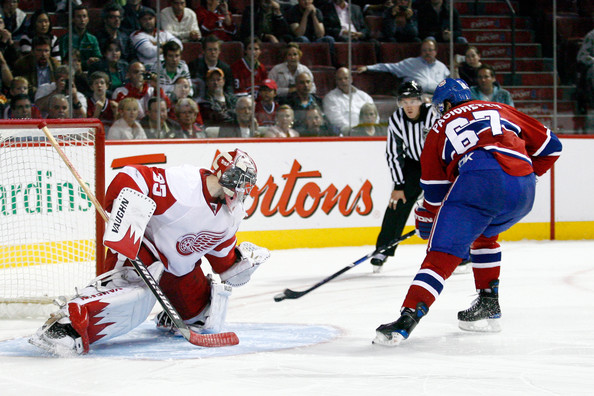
(546, 346)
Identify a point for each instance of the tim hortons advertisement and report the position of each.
(309, 192)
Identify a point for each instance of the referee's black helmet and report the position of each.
(409, 89)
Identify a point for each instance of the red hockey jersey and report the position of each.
(519, 143)
(242, 74)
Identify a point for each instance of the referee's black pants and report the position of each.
(395, 219)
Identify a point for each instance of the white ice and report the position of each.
(546, 346)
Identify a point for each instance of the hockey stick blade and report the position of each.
(289, 294)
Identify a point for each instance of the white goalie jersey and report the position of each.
(187, 223)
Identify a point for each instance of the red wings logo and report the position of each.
(198, 243)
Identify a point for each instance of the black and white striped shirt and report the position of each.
(406, 139)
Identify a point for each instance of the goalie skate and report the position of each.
(485, 314)
(58, 337)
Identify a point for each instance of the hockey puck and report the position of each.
(280, 297)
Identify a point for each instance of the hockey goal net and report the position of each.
(50, 234)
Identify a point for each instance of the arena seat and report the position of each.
(191, 51)
(362, 54)
(377, 83)
(315, 54)
(324, 79)
(390, 52)
(375, 24)
(231, 51)
(272, 54)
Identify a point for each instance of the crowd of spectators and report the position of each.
(133, 77)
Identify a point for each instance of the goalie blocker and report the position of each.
(194, 216)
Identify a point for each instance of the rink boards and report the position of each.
(327, 192)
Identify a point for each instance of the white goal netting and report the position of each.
(48, 236)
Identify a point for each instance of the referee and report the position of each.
(407, 129)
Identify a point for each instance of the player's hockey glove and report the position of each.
(249, 258)
(423, 222)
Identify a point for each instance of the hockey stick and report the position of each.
(292, 295)
(203, 340)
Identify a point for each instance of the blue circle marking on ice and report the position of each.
(147, 343)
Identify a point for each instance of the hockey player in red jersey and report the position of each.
(479, 168)
(243, 68)
(190, 214)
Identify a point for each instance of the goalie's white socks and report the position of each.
(212, 317)
(481, 326)
(251, 257)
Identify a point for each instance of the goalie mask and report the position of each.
(237, 175)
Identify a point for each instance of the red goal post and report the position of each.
(50, 233)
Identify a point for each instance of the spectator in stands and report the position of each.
(99, 105)
(585, 58)
(181, 90)
(488, 88)
(45, 92)
(131, 21)
(112, 15)
(37, 67)
(283, 128)
(18, 86)
(126, 127)
(468, 69)
(215, 18)
(40, 25)
(82, 40)
(211, 47)
(58, 107)
(316, 125)
(425, 69)
(187, 114)
(138, 87)
(270, 24)
(7, 45)
(343, 104)
(266, 105)
(434, 21)
(180, 21)
(399, 23)
(14, 18)
(21, 108)
(284, 74)
(244, 125)
(307, 24)
(376, 7)
(172, 67)
(112, 64)
(5, 73)
(243, 68)
(157, 112)
(217, 106)
(302, 98)
(368, 122)
(80, 76)
(340, 25)
(144, 40)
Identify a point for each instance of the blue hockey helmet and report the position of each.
(454, 91)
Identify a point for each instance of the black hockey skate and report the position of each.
(377, 261)
(484, 314)
(392, 334)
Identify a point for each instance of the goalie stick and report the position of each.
(203, 340)
(289, 294)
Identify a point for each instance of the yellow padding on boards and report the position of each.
(329, 237)
(46, 253)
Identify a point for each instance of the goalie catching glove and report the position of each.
(423, 222)
(249, 259)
